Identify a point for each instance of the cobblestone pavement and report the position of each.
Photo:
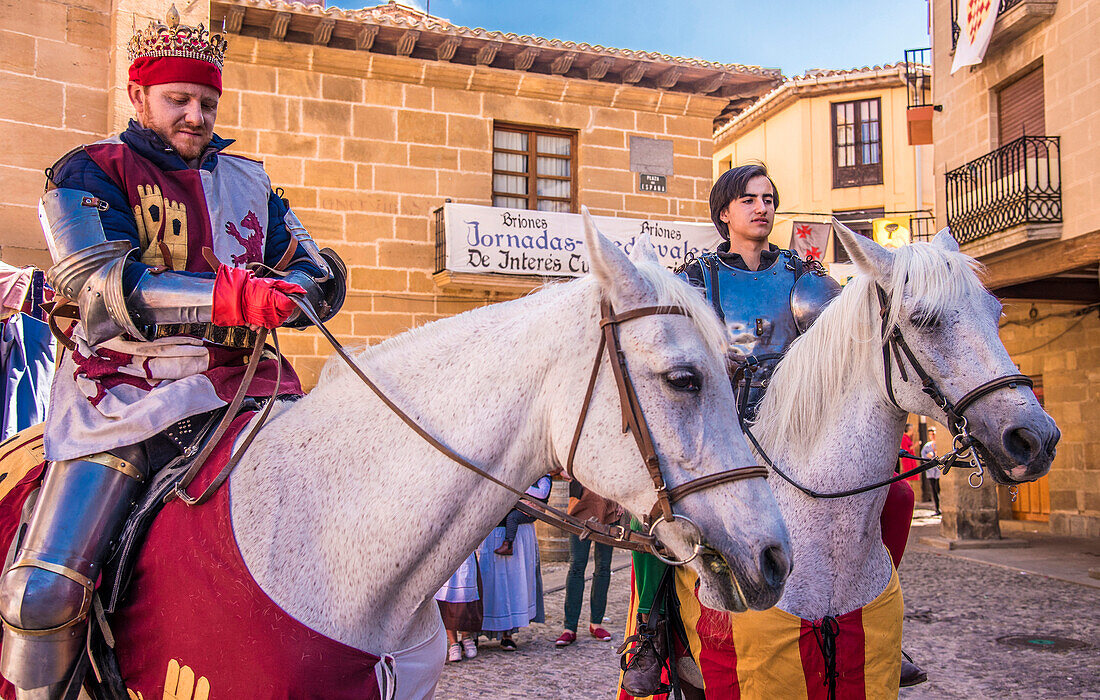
(955, 610)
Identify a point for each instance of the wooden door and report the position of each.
(1033, 498)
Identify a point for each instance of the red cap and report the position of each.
(157, 70)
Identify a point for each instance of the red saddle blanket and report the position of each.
(196, 621)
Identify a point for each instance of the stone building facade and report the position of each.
(369, 120)
(1016, 171)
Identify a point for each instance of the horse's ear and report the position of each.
(643, 250)
(868, 256)
(617, 276)
(945, 240)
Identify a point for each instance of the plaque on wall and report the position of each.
(652, 183)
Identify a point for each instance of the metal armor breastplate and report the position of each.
(757, 310)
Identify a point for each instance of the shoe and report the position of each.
(600, 633)
(508, 644)
(642, 672)
(505, 549)
(454, 652)
(565, 639)
(911, 674)
(470, 647)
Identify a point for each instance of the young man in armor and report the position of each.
(164, 334)
(767, 297)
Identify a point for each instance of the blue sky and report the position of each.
(793, 35)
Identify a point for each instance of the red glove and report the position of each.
(242, 299)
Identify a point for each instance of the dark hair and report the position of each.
(731, 185)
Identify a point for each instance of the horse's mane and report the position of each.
(842, 351)
(670, 291)
(675, 292)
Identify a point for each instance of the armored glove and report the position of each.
(241, 298)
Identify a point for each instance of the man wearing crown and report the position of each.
(160, 240)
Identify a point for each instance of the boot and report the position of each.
(911, 674)
(642, 672)
(505, 549)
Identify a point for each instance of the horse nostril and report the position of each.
(1022, 445)
(774, 565)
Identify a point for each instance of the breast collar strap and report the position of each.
(894, 346)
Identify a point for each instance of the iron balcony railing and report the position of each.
(1005, 6)
(918, 77)
(1019, 183)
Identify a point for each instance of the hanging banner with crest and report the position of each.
(484, 239)
(809, 240)
(976, 20)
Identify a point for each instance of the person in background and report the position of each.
(460, 607)
(909, 445)
(512, 584)
(586, 505)
(933, 474)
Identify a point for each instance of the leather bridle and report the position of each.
(633, 421)
(965, 446)
(896, 350)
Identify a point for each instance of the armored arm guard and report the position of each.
(88, 269)
(325, 293)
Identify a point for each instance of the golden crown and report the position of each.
(175, 39)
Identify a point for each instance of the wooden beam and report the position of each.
(526, 58)
(446, 50)
(234, 19)
(407, 42)
(279, 25)
(599, 67)
(669, 78)
(635, 73)
(487, 53)
(365, 38)
(712, 84)
(1059, 289)
(1036, 262)
(563, 63)
(322, 33)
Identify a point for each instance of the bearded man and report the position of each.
(164, 334)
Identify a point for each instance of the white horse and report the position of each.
(828, 421)
(349, 522)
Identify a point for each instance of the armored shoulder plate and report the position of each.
(811, 293)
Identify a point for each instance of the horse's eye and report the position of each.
(684, 380)
(925, 321)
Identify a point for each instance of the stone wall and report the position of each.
(1066, 355)
(53, 75)
(367, 145)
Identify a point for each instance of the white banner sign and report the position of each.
(976, 20)
(551, 244)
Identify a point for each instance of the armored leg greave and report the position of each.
(46, 593)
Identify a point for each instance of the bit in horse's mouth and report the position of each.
(717, 565)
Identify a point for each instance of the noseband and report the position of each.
(635, 423)
(896, 350)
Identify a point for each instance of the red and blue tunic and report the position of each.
(126, 390)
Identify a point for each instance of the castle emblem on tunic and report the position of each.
(175, 39)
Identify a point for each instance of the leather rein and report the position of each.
(633, 421)
(964, 446)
